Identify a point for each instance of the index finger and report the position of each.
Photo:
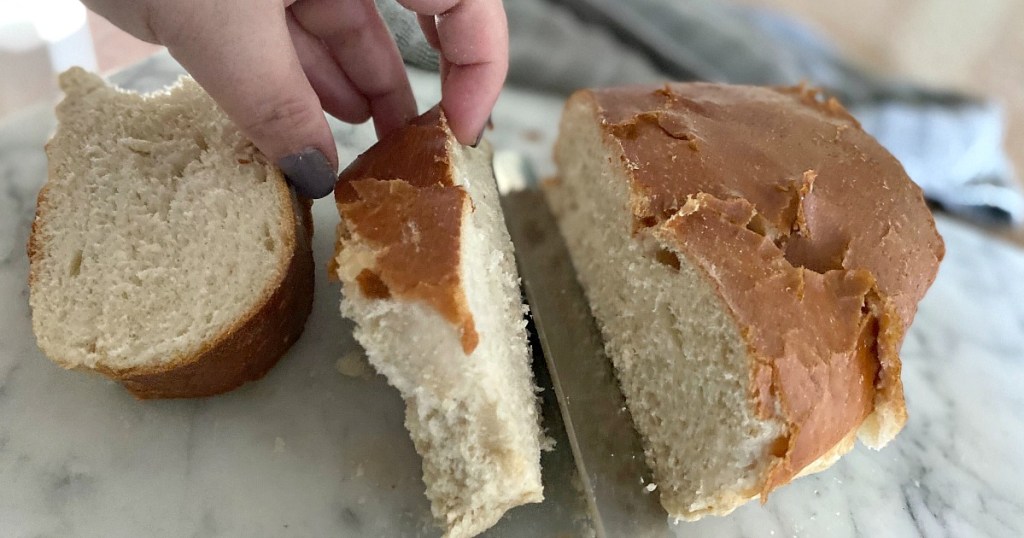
(473, 39)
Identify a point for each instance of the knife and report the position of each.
(605, 445)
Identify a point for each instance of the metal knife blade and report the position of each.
(605, 445)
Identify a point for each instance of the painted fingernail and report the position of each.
(488, 126)
(309, 172)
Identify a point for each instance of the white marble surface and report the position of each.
(309, 451)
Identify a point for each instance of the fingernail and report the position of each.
(309, 172)
(489, 126)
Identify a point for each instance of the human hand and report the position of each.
(274, 66)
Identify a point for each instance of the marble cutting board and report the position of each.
(317, 448)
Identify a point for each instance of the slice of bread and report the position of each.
(753, 259)
(429, 277)
(166, 253)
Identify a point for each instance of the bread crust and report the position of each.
(247, 349)
(809, 231)
(817, 357)
(410, 212)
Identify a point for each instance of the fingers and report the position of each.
(429, 27)
(241, 52)
(338, 95)
(354, 34)
(473, 39)
(133, 18)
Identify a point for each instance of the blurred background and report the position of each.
(976, 47)
(972, 47)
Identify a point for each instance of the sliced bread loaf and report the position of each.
(429, 277)
(753, 259)
(166, 252)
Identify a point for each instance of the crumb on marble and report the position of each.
(547, 443)
(353, 364)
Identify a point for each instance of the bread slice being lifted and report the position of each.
(753, 259)
(166, 253)
(429, 277)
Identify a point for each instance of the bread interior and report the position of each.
(159, 228)
(682, 365)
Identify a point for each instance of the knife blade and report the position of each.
(605, 445)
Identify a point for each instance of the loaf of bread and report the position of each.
(166, 253)
(429, 277)
(753, 259)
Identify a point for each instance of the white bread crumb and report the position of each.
(353, 364)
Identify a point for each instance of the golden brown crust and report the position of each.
(811, 232)
(34, 248)
(416, 154)
(759, 144)
(250, 348)
(814, 354)
(400, 199)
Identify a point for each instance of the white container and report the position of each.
(38, 39)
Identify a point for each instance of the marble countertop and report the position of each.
(318, 448)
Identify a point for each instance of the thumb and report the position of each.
(241, 52)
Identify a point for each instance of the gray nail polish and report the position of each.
(487, 126)
(309, 172)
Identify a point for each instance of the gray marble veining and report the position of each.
(309, 451)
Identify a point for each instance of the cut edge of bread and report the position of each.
(245, 348)
(604, 256)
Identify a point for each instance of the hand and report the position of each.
(274, 66)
